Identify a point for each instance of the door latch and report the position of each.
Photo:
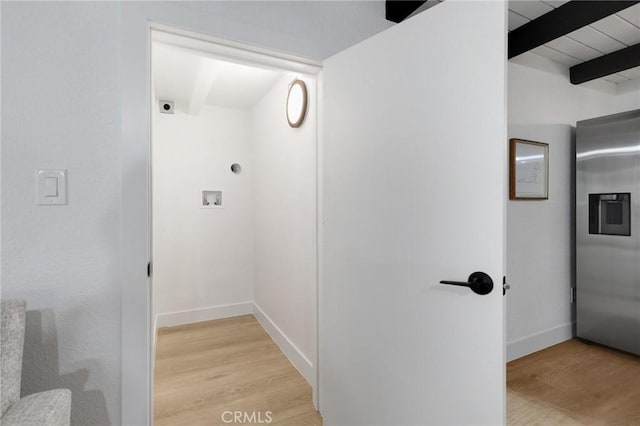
(505, 286)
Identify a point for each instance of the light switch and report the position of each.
(51, 187)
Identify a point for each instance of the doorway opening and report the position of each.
(570, 290)
(234, 235)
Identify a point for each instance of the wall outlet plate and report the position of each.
(211, 199)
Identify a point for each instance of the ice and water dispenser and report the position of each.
(609, 214)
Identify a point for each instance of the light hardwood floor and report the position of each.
(574, 383)
(205, 369)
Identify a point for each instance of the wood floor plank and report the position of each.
(574, 383)
(231, 365)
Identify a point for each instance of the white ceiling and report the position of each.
(176, 71)
(306, 28)
(607, 35)
(178, 75)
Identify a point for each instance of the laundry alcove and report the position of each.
(233, 199)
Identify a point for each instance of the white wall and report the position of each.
(628, 95)
(203, 257)
(544, 106)
(284, 218)
(60, 109)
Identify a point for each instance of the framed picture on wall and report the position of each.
(528, 170)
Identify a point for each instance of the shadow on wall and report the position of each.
(41, 371)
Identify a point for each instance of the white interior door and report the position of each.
(414, 165)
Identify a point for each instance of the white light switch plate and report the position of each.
(51, 187)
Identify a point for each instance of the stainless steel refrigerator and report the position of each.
(608, 230)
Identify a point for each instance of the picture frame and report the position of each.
(528, 170)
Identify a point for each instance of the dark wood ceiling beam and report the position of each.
(398, 10)
(563, 20)
(611, 63)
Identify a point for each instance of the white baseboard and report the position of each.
(291, 351)
(154, 345)
(203, 314)
(538, 341)
(155, 332)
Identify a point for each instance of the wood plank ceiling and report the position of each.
(607, 35)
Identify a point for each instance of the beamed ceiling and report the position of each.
(594, 39)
